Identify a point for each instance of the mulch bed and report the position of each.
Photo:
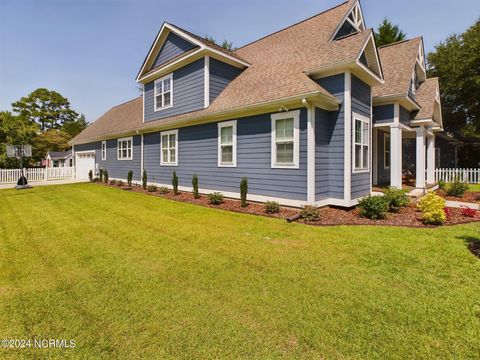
(329, 216)
(469, 196)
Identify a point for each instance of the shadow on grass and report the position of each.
(473, 244)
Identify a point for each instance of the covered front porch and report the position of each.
(403, 157)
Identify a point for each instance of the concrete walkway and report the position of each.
(459, 204)
(44, 183)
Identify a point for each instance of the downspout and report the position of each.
(311, 198)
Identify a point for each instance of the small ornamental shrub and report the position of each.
(100, 174)
(374, 207)
(144, 179)
(112, 182)
(129, 177)
(196, 195)
(432, 207)
(272, 207)
(95, 179)
(163, 190)
(467, 212)
(396, 199)
(120, 183)
(457, 188)
(448, 212)
(152, 188)
(90, 175)
(105, 176)
(244, 191)
(310, 213)
(215, 198)
(442, 184)
(175, 183)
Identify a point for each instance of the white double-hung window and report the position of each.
(169, 148)
(285, 139)
(361, 144)
(124, 149)
(163, 91)
(227, 144)
(104, 150)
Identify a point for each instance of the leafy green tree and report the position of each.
(48, 109)
(73, 128)
(456, 62)
(14, 130)
(387, 33)
(226, 44)
(49, 140)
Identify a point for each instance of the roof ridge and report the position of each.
(295, 24)
(399, 42)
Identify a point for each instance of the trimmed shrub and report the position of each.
(175, 183)
(100, 174)
(373, 207)
(467, 212)
(396, 199)
(163, 190)
(129, 177)
(310, 213)
(120, 183)
(144, 179)
(196, 195)
(457, 188)
(244, 191)
(152, 188)
(90, 176)
(442, 184)
(95, 179)
(215, 198)
(432, 207)
(272, 207)
(105, 176)
(112, 182)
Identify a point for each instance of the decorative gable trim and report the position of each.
(369, 54)
(354, 18)
(201, 47)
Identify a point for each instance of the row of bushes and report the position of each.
(457, 188)
(377, 206)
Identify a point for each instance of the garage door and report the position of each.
(84, 163)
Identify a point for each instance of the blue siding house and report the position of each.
(295, 112)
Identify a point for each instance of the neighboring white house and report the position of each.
(59, 159)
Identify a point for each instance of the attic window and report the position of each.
(352, 24)
(163, 92)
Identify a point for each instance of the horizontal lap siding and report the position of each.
(188, 92)
(383, 114)
(173, 46)
(383, 175)
(221, 75)
(361, 104)
(116, 168)
(198, 154)
(329, 131)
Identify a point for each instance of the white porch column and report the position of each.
(420, 150)
(431, 159)
(396, 156)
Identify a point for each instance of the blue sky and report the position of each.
(91, 50)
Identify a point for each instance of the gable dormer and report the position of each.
(352, 22)
(184, 72)
(419, 74)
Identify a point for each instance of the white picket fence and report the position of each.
(11, 176)
(471, 176)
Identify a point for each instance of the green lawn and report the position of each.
(133, 276)
(474, 187)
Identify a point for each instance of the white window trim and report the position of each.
(232, 123)
(104, 150)
(366, 120)
(385, 136)
(170, 77)
(296, 139)
(131, 152)
(167, 133)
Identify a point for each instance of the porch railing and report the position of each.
(11, 176)
(471, 176)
